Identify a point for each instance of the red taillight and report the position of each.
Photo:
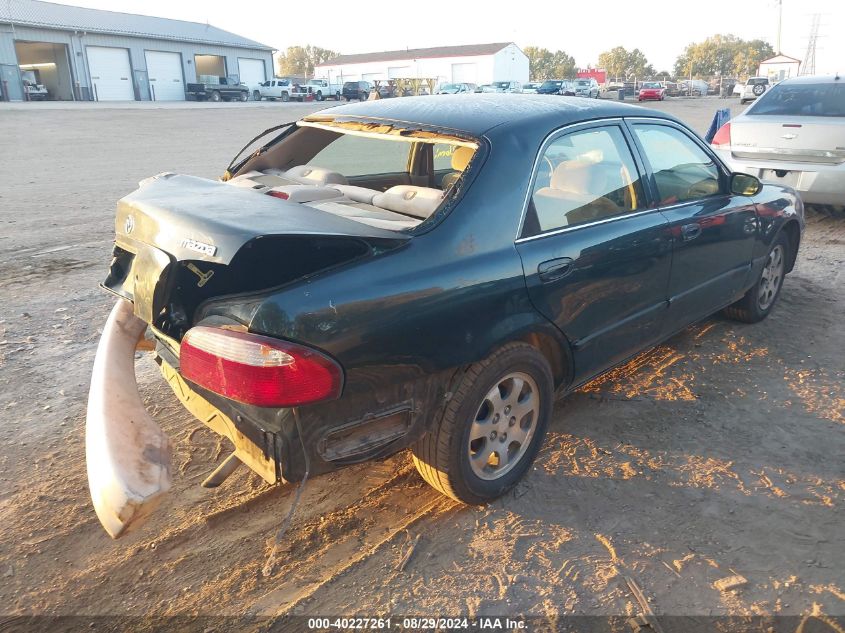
(723, 136)
(278, 194)
(257, 370)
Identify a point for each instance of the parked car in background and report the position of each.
(507, 86)
(694, 87)
(794, 136)
(313, 306)
(671, 89)
(754, 87)
(651, 91)
(356, 90)
(531, 87)
(552, 87)
(456, 88)
(486, 88)
(323, 89)
(218, 89)
(273, 89)
(586, 88)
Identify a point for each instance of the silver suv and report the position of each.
(586, 88)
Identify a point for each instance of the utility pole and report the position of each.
(780, 24)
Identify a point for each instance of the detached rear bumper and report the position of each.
(127, 454)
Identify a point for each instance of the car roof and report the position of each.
(477, 114)
(814, 79)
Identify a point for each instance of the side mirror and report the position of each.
(745, 185)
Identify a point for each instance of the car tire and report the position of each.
(285, 97)
(256, 96)
(758, 302)
(244, 96)
(444, 456)
(337, 96)
(215, 97)
(318, 96)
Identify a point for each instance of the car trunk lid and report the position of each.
(799, 139)
(181, 240)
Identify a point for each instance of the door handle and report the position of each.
(690, 231)
(554, 269)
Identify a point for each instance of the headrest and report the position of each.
(578, 176)
(311, 175)
(461, 157)
(419, 202)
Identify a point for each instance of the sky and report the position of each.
(659, 28)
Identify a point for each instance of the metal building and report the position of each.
(474, 63)
(93, 55)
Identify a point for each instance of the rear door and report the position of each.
(596, 258)
(713, 231)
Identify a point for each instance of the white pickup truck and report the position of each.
(281, 89)
(322, 89)
(289, 89)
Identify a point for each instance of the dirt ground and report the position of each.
(718, 453)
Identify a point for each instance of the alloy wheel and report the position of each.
(771, 278)
(503, 426)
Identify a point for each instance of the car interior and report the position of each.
(384, 181)
(582, 178)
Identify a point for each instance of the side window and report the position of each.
(583, 177)
(360, 156)
(683, 171)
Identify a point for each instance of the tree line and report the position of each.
(725, 55)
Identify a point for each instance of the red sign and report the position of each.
(599, 74)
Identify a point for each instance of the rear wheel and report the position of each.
(492, 427)
(285, 97)
(761, 298)
(244, 96)
(337, 96)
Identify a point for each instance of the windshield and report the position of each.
(802, 100)
(582, 82)
(502, 84)
(449, 87)
(651, 84)
(351, 85)
(551, 84)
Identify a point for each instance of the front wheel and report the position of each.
(758, 302)
(244, 96)
(256, 96)
(319, 96)
(492, 427)
(215, 96)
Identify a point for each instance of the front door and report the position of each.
(596, 259)
(713, 231)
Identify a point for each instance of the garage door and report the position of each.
(111, 74)
(464, 73)
(165, 74)
(251, 71)
(399, 72)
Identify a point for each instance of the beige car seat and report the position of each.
(460, 159)
(576, 193)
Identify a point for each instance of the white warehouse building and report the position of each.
(474, 63)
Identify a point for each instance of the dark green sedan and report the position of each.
(422, 273)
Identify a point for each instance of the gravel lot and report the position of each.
(718, 453)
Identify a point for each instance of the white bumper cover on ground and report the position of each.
(127, 454)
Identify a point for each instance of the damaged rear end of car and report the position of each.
(183, 243)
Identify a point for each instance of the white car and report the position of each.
(755, 87)
(531, 87)
(794, 135)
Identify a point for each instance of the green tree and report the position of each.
(723, 55)
(301, 60)
(622, 64)
(544, 64)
